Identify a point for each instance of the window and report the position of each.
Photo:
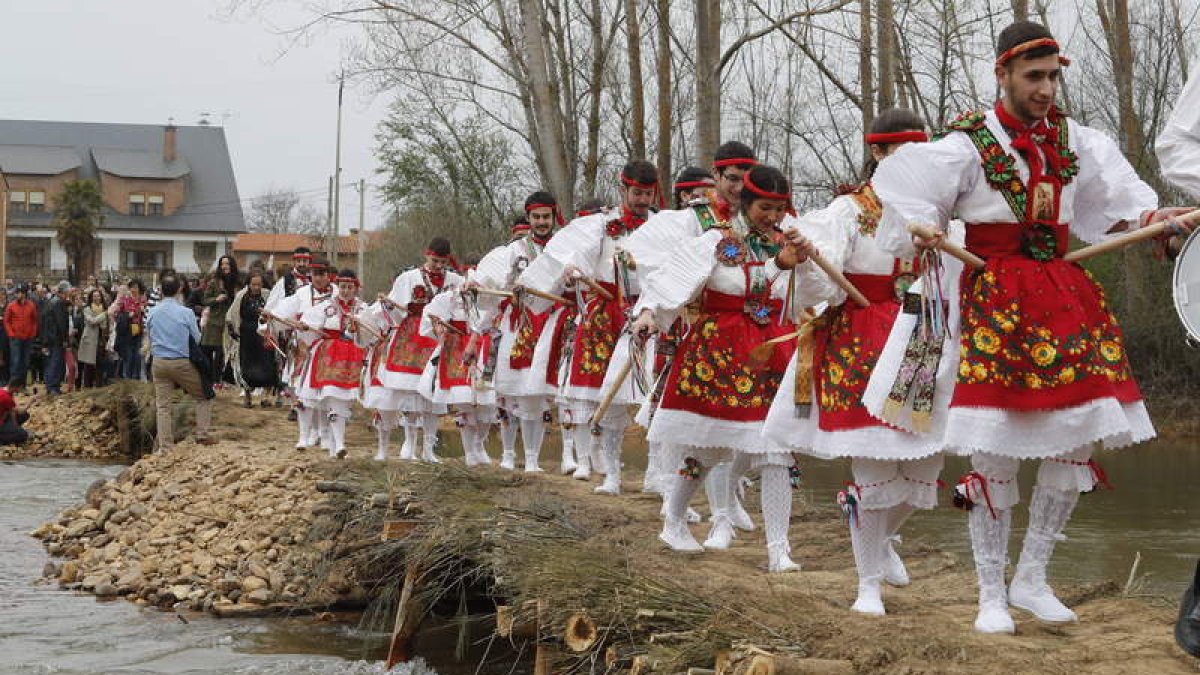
(16, 201)
(154, 205)
(135, 259)
(37, 201)
(137, 204)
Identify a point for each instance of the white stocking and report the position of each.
(429, 424)
(508, 439)
(408, 449)
(777, 514)
(533, 432)
(470, 441)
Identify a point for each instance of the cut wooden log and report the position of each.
(663, 638)
(580, 633)
(541, 657)
(511, 623)
(337, 486)
(409, 614)
(774, 664)
(398, 529)
(723, 663)
(618, 658)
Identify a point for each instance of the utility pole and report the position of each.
(329, 222)
(337, 177)
(362, 232)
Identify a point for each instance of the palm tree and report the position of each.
(76, 217)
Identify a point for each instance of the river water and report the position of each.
(1154, 511)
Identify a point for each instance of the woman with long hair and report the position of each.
(223, 285)
(92, 339)
(250, 356)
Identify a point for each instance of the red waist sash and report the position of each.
(995, 240)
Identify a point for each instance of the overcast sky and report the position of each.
(145, 61)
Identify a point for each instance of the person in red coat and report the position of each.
(21, 324)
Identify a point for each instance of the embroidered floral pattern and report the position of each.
(596, 342)
(845, 368)
(1000, 346)
(714, 376)
(870, 209)
(731, 251)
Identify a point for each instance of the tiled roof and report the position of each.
(265, 242)
(139, 164)
(37, 160)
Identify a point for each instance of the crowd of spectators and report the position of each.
(67, 337)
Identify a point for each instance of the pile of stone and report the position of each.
(76, 426)
(222, 528)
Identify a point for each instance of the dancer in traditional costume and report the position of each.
(275, 322)
(519, 383)
(1040, 364)
(285, 287)
(330, 378)
(711, 196)
(586, 253)
(715, 398)
(408, 351)
(895, 472)
(451, 378)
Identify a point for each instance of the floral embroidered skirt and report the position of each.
(848, 343)
(1038, 336)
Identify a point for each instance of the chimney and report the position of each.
(169, 143)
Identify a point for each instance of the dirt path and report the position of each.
(247, 507)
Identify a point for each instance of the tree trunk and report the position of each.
(637, 125)
(591, 164)
(865, 75)
(887, 54)
(1020, 9)
(708, 79)
(547, 115)
(665, 172)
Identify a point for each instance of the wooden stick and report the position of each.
(596, 288)
(491, 291)
(548, 296)
(409, 613)
(969, 259)
(1123, 240)
(840, 279)
(609, 395)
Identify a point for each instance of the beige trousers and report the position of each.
(168, 374)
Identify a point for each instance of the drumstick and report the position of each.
(1140, 234)
(606, 402)
(968, 258)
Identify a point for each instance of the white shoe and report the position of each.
(894, 571)
(678, 537)
(407, 453)
(508, 461)
(482, 458)
(431, 456)
(1038, 599)
(739, 517)
(567, 467)
(693, 516)
(611, 485)
(583, 471)
(534, 469)
(994, 618)
(870, 598)
(778, 558)
(721, 535)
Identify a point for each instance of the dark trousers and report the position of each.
(56, 367)
(19, 352)
(131, 358)
(11, 431)
(216, 360)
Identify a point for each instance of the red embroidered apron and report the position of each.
(336, 362)
(711, 376)
(452, 370)
(596, 336)
(1035, 335)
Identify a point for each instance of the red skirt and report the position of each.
(712, 374)
(336, 363)
(1036, 335)
(521, 356)
(409, 351)
(453, 371)
(848, 342)
(595, 339)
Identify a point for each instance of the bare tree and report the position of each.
(281, 211)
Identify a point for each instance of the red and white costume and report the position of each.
(894, 471)
(329, 379)
(1033, 364)
(314, 429)
(449, 380)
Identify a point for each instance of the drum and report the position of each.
(1185, 287)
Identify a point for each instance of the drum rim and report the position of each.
(1192, 331)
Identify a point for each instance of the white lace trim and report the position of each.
(1032, 435)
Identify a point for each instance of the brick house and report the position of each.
(260, 246)
(170, 197)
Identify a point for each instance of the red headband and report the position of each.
(734, 161)
(339, 279)
(645, 186)
(749, 185)
(302, 256)
(520, 227)
(430, 252)
(553, 207)
(690, 184)
(897, 137)
(1030, 45)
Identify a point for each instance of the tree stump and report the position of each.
(580, 633)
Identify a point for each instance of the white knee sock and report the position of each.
(776, 503)
(508, 437)
(408, 449)
(533, 432)
(429, 426)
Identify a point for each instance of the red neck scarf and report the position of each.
(1029, 140)
(723, 208)
(630, 220)
(540, 241)
(435, 278)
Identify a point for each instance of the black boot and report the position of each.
(1187, 628)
